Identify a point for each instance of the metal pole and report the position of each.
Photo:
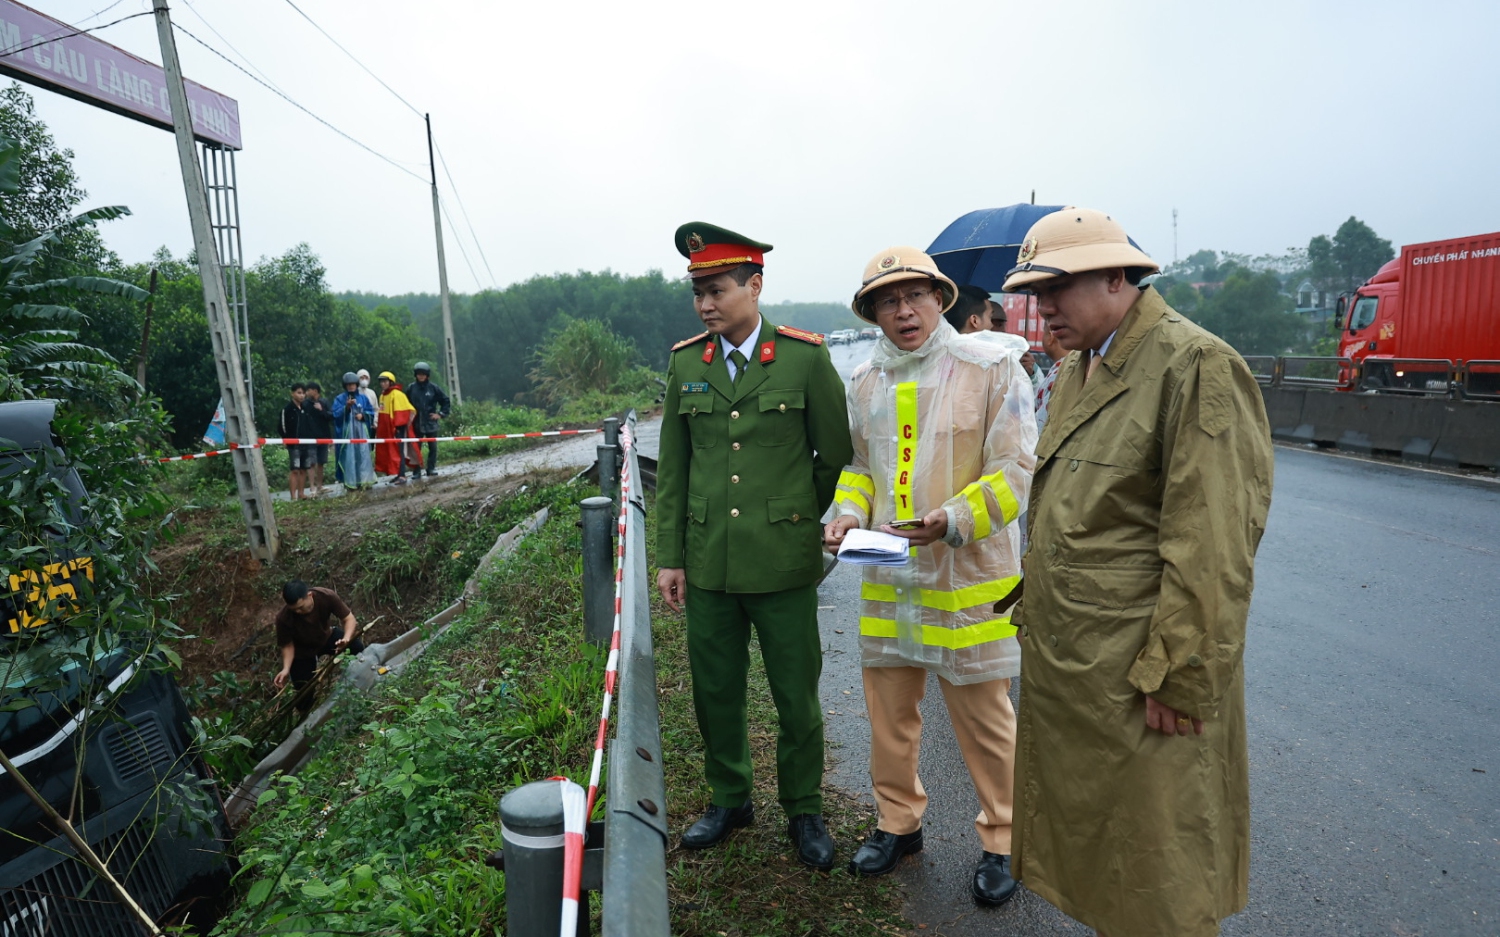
(598, 571)
(239, 420)
(612, 431)
(450, 350)
(609, 472)
(531, 826)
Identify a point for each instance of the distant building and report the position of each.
(1317, 305)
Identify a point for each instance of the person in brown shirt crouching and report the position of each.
(304, 633)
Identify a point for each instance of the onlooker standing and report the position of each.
(1056, 352)
(999, 319)
(303, 633)
(1150, 497)
(355, 416)
(367, 391)
(943, 437)
(298, 456)
(970, 311)
(432, 405)
(396, 413)
(319, 418)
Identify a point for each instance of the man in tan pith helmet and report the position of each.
(943, 436)
(1152, 485)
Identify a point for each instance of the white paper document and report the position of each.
(874, 548)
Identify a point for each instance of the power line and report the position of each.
(98, 13)
(76, 32)
(354, 58)
(288, 99)
(459, 198)
(204, 20)
(459, 241)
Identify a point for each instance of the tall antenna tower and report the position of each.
(1174, 237)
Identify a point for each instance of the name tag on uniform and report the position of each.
(694, 387)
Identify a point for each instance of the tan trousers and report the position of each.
(984, 722)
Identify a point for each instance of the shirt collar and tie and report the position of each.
(737, 357)
(1097, 356)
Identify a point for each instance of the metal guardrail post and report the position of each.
(531, 825)
(598, 569)
(635, 841)
(612, 431)
(609, 459)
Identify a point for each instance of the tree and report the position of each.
(1249, 312)
(1358, 252)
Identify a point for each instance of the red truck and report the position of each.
(1438, 302)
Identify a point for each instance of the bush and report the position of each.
(582, 357)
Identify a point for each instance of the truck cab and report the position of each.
(1369, 320)
(104, 740)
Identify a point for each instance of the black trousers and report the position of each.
(305, 664)
(431, 457)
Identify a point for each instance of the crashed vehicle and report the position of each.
(103, 737)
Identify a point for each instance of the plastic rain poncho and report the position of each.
(353, 462)
(948, 425)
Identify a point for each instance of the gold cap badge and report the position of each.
(1028, 250)
(888, 261)
(694, 243)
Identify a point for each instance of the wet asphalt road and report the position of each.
(1372, 668)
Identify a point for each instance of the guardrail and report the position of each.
(1415, 377)
(629, 868)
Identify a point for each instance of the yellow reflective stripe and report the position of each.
(974, 494)
(1010, 507)
(954, 639)
(856, 480)
(944, 601)
(906, 447)
(854, 497)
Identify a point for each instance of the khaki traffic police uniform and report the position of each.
(746, 470)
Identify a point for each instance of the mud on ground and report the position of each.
(228, 601)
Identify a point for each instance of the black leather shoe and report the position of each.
(993, 884)
(716, 824)
(883, 850)
(810, 836)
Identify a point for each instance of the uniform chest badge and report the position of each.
(694, 387)
(767, 352)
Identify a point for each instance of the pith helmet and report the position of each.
(895, 264)
(1073, 240)
(713, 250)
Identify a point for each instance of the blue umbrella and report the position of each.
(981, 247)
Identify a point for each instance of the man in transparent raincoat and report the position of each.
(943, 438)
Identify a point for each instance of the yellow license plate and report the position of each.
(35, 589)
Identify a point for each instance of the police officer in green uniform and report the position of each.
(754, 434)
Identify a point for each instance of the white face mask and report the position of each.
(364, 382)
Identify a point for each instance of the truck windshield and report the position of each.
(1364, 312)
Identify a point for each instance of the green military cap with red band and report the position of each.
(711, 249)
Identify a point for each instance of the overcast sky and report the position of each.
(581, 134)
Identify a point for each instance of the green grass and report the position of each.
(384, 832)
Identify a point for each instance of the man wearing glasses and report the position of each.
(943, 437)
(1153, 481)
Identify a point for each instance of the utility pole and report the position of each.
(239, 420)
(450, 351)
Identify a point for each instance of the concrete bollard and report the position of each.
(598, 570)
(531, 824)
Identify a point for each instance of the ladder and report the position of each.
(220, 183)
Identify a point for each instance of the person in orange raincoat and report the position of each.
(396, 416)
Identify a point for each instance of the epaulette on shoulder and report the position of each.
(689, 341)
(812, 338)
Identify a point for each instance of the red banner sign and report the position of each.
(38, 49)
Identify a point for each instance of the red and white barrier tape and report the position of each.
(292, 441)
(575, 818)
(573, 873)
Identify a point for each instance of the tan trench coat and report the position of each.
(1152, 486)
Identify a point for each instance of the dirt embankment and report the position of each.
(396, 555)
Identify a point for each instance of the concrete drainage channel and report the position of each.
(377, 662)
